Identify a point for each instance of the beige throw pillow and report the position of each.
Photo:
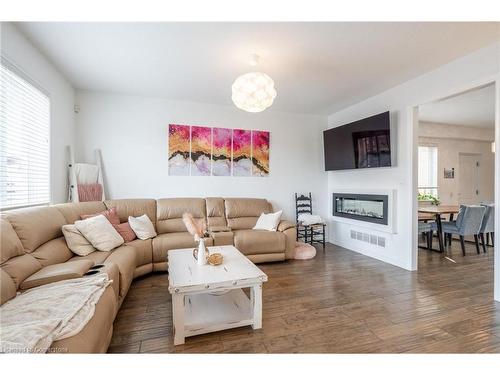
(99, 232)
(142, 227)
(268, 221)
(76, 242)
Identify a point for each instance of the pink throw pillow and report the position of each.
(125, 230)
(110, 214)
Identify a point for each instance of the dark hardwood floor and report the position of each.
(339, 302)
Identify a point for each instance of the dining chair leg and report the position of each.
(487, 239)
(429, 239)
(481, 235)
(492, 239)
(476, 241)
(450, 238)
(462, 243)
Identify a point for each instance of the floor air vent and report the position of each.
(369, 238)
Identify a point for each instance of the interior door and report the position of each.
(468, 178)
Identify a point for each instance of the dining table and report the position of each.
(437, 212)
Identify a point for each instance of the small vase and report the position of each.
(202, 253)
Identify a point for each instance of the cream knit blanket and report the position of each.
(30, 322)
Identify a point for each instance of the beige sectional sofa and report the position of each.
(31, 239)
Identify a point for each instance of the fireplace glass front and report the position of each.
(364, 207)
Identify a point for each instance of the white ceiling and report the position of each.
(317, 67)
(473, 108)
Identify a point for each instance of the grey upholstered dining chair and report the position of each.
(488, 225)
(468, 223)
(426, 229)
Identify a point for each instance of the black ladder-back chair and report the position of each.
(311, 234)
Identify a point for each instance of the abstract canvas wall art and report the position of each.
(260, 153)
(242, 152)
(206, 151)
(201, 150)
(178, 150)
(221, 151)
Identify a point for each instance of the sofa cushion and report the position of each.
(10, 244)
(268, 221)
(100, 233)
(53, 252)
(143, 250)
(73, 211)
(98, 257)
(242, 222)
(125, 258)
(96, 335)
(216, 216)
(8, 288)
(109, 214)
(245, 207)
(142, 227)
(168, 241)
(21, 267)
(170, 211)
(133, 207)
(76, 242)
(250, 241)
(57, 272)
(36, 225)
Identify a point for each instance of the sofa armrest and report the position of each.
(284, 225)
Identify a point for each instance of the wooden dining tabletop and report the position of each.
(440, 210)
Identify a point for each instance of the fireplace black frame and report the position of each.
(366, 197)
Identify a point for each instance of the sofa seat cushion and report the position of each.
(57, 272)
(96, 335)
(143, 251)
(169, 241)
(125, 258)
(98, 257)
(253, 241)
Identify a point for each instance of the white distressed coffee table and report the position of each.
(211, 298)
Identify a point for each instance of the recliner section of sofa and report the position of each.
(32, 239)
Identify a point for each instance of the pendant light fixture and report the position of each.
(254, 91)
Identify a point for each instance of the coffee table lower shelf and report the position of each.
(205, 313)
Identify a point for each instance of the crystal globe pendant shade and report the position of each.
(253, 92)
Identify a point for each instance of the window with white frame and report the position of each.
(428, 170)
(24, 141)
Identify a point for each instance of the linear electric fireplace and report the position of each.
(365, 207)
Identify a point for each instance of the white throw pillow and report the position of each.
(76, 242)
(268, 221)
(142, 227)
(99, 232)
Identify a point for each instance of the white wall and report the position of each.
(19, 51)
(132, 134)
(451, 141)
(476, 68)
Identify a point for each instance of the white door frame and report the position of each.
(413, 164)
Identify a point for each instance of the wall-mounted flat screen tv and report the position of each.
(364, 143)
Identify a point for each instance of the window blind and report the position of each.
(24, 142)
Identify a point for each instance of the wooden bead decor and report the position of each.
(215, 259)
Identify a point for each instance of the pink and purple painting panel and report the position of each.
(178, 150)
(242, 152)
(221, 151)
(260, 153)
(201, 150)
